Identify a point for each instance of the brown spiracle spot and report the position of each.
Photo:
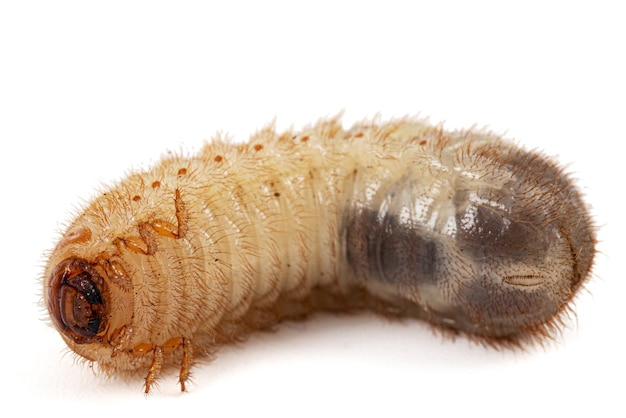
(258, 147)
(182, 171)
(155, 184)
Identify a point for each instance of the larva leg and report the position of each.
(155, 368)
(146, 243)
(186, 364)
(167, 229)
(174, 344)
(158, 355)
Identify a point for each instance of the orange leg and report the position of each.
(155, 368)
(186, 364)
(149, 232)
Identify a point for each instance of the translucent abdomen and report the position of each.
(483, 236)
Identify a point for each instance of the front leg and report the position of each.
(149, 231)
(155, 368)
(159, 354)
(186, 363)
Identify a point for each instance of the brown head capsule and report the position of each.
(77, 301)
(464, 230)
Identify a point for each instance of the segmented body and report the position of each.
(462, 229)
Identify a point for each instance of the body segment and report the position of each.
(462, 229)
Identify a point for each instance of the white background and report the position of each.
(88, 92)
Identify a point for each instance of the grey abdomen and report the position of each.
(485, 241)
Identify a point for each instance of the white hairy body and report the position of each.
(199, 251)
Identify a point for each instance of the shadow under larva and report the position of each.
(463, 230)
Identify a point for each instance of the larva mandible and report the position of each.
(461, 229)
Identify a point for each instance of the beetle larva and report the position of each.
(461, 229)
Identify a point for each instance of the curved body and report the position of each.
(464, 230)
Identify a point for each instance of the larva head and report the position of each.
(77, 301)
(83, 295)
